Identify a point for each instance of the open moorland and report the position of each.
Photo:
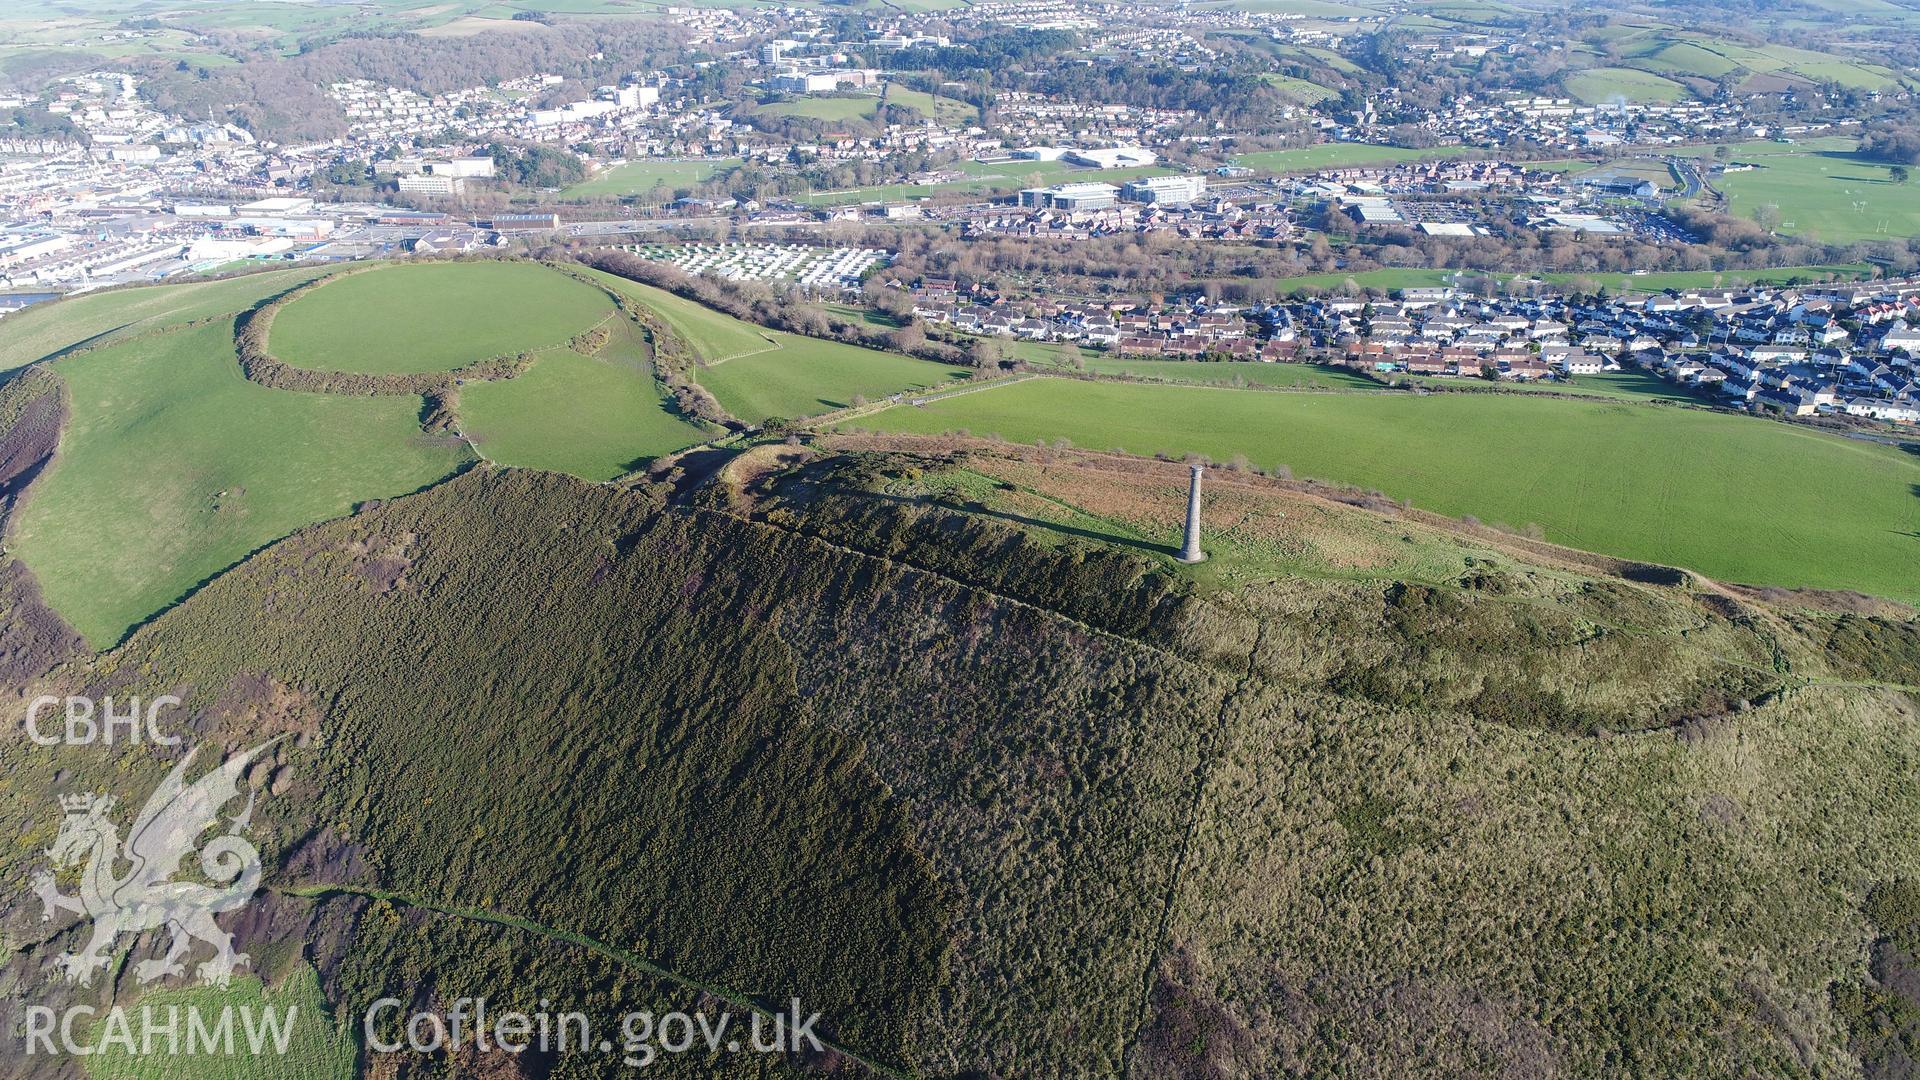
(1730, 497)
(955, 701)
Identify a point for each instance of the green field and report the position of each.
(1733, 497)
(644, 177)
(860, 106)
(45, 329)
(712, 335)
(433, 316)
(315, 1048)
(1822, 190)
(1338, 155)
(1599, 86)
(595, 417)
(174, 466)
(805, 376)
(1622, 385)
(1668, 50)
(1307, 93)
(1290, 376)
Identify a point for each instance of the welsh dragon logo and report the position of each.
(146, 896)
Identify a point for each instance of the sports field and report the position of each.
(864, 106)
(805, 376)
(173, 467)
(433, 316)
(1829, 194)
(1736, 498)
(984, 178)
(595, 417)
(644, 177)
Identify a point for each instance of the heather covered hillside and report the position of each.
(929, 737)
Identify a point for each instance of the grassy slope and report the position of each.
(806, 376)
(433, 316)
(173, 467)
(1300, 376)
(1734, 498)
(47, 328)
(758, 373)
(1626, 385)
(1599, 86)
(594, 417)
(712, 335)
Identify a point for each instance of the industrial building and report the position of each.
(1081, 196)
(1166, 190)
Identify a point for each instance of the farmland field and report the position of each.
(1732, 497)
(1291, 376)
(433, 316)
(642, 177)
(174, 466)
(1598, 86)
(1308, 93)
(48, 328)
(712, 335)
(594, 417)
(805, 376)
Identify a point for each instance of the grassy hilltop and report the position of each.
(1733, 497)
